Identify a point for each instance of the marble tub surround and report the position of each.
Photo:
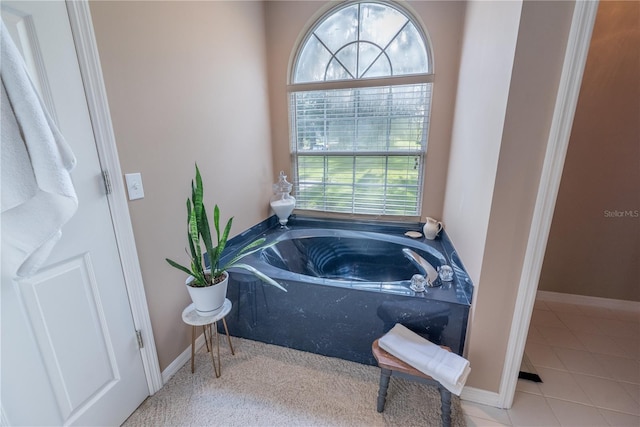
(348, 284)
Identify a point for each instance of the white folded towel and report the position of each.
(38, 196)
(447, 368)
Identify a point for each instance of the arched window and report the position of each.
(360, 98)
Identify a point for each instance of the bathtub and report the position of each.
(347, 284)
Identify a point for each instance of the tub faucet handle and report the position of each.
(418, 282)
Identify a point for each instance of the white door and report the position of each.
(69, 349)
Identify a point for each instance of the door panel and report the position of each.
(75, 376)
(69, 348)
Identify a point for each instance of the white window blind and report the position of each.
(360, 150)
(359, 111)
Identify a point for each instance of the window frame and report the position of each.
(355, 83)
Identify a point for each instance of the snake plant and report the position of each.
(198, 231)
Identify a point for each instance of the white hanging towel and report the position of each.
(38, 196)
(447, 368)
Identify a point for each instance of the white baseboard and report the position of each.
(483, 397)
(179, 361)
(615, 304)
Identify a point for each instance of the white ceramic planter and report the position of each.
(208, 300)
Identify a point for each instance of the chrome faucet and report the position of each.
(423, 265)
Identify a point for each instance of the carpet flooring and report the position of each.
(267, 385)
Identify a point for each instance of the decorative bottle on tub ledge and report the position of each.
(282, 202)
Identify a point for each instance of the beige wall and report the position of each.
(511, 62)
(592, 252)
(488, 49)
(185, 82)
(287, 21)
(540, 49)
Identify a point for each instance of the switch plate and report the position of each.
(134, 185)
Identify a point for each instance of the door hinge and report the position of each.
(107, 182)
(139, 336)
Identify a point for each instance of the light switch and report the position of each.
(134, 185)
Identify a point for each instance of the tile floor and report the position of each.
(589, 361)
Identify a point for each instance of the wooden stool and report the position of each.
(391, 365)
